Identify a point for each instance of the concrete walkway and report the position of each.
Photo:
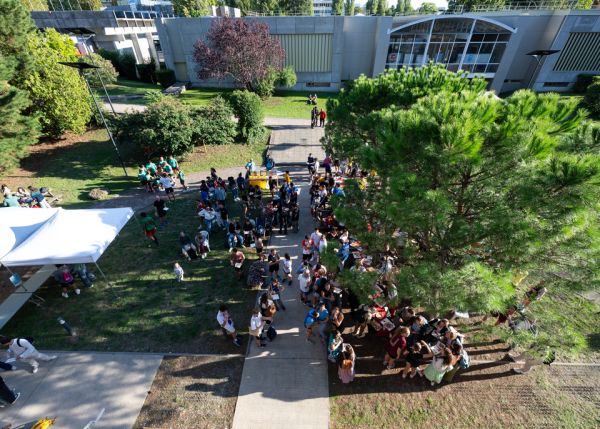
(285, 384)
(75, 387)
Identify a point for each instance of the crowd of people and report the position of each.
(27, 198)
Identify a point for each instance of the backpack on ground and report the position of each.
(271, 333)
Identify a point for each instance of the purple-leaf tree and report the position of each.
(238, 49)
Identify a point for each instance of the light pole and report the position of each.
(81, 67)
(539, 55)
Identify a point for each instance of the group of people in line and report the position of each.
(161, 175)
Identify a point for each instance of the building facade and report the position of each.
(326, 51)
(322, 7)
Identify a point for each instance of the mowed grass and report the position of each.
(71, 167)
(145, 309)
(284, 104)
(130, 87)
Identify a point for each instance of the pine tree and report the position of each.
(382, 7)
(15, 27)
(17, 130)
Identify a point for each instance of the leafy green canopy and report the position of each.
(57, 92)
(485, 189)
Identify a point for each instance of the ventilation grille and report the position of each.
(307, 52)
(581, 53)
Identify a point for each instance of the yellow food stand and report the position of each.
(261, 178)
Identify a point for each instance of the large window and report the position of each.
(467, 44)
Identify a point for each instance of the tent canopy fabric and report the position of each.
(57, 236)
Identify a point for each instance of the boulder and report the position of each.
(98, 194)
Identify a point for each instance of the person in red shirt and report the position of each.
(396, 347)
(322, 117)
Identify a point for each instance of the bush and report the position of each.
(257, 135)
(248, 108)
(147, 71)
(214, 124)
(152, 96)
(166, 127)
(287, 77)
(124, 62)
(107, 70)
(166, 77)
(265, 87)
(582, 82)
(591, 100)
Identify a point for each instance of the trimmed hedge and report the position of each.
(166, 77)
(248, 108)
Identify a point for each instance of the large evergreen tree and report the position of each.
(470, 190)
(17, 129)
(337, 7)
(349, 7)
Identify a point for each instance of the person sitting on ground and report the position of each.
(256, 327)
(66, 280)
(234, 237)
(226, 323)
(189, 251)
(11, 201)
(439, 366)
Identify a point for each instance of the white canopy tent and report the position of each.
(56, 236)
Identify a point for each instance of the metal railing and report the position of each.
(527, 5)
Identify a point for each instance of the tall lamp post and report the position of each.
(539, 55)
(85, 66)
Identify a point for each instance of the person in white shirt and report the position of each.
(178, 271)
(209, 216)
(304, 286)
(23, 350)
(322, 244)
(256, 327)
(287, 268)
(316, 238)
(168, 184)
(227, 325)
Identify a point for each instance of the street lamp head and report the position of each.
(542, 53)
(77, 65)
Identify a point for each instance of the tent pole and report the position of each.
(12, 273)
(106, 280)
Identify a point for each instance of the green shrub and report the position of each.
(257, 135)
(213, 124)
(582, 82)
(106, 70)
(147, 71)
(166, 126)
(287, 77)
(265, 87)
(248, 108)
(152, 96)
(166, 77)
(591, 100)
(124, 62)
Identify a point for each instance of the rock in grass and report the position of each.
(98, 194)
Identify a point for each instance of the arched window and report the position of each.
(472, 44)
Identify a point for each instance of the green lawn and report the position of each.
(74, 166)
(131, 87)
(146, 309)
(284, 104)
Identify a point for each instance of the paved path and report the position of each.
(285, 385)
(76, 386)
(291, 143)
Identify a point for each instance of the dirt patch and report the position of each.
(192, 392)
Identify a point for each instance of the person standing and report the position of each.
(167, 184)
(346, 364)
(322, 117)
(256, 327)
(7, 394)
(237, 260)
(314, 114)
(149, 226)
(181, 177)
(161, 210)
(22, 349)
(273, 260)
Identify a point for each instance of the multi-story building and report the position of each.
(326, 51)
(322, 7)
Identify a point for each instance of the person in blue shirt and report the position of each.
(337, 190)
(323, 321)
(310, 321)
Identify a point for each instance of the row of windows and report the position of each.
(459, 43)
